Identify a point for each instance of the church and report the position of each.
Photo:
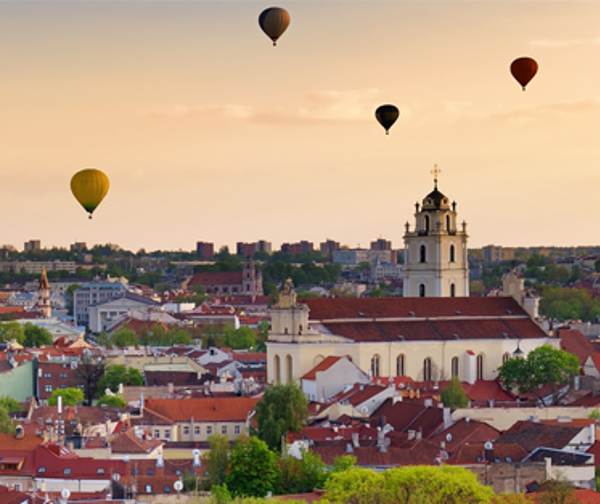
(434, 333)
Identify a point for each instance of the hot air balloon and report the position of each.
(274, 22)
(89, 187)
(523, 70)
(387, 115)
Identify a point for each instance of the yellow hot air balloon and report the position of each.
(89, 187)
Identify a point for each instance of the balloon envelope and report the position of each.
(89, 187)
(523, 70)
(387, 115)
(274, 21)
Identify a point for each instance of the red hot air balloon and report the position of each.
(274, 21)
(386, 115)
(523, 70)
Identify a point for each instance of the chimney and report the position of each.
(349, 448)
(489, 451)
(19, 432)
(355, 442)
(411, 435)
(419, 434)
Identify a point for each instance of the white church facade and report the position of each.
(433, 333)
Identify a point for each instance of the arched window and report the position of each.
(277, 369)
(427, 369)
(289, 368)
(452, 254)
(375, 366)
(480, 367)
(421, 290)
(447, 223)
(505, 357)
(400, 363)
(454, 366)
(422, 254)
(426, 221)
(452, 290)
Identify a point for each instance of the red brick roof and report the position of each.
(341, 308)
(326, 363)
(575, 342)
(209, 409)
(128, 442)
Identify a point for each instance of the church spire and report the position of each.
(435, 172)
(44, 295)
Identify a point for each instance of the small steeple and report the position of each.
(435, 172)
(43, 302)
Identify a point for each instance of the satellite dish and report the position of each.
(488, 445)
(178, 485)
(66, 493)
(116, 477)
(196, 452)
(448, 437)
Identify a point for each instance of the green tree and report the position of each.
(113, 401)
(70, 397)
(10, 331)
(124, 338)
(299, 475)
(6, 424)
(408, 484)
(116, 374)
(36, 336)
(252, 469)
(240, 338)
(9, 403)
(283, 408)
(453, 394)
(545, 365)
(217, 461)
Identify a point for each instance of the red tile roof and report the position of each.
(217, 278)
(532, 435)
(463, 432)
(209, 409)
(576, 342)
(405, 416)
(342, 308)
(326, 363)
(475, 453)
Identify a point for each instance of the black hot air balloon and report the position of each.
(387, 115)
(523, 70)
(274, 22)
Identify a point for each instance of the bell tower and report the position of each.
(43, 302)
(435, 252)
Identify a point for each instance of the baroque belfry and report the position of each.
(435, 251)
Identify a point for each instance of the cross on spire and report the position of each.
(436, 171)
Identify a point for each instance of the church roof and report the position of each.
(423, 319)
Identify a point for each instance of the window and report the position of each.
(427, 369)
(421, 290)
(48, 388)
(47, 375)
(452, 254)
(157, 434)
(186, 431)
(196, 431)
(101, 470)
(224, 429)
(17, 487)
(236, 430)
(63, 375)
(452, 290)
(426, 223)
(400, 362)
(167, 489)
(167, 434)
(375, 366)
(148, 488)
(422, 254)
(505, 357)
(454, 366)
(178, 472)
(150, 472)
(447, 223)
(67, 471)
(42, 470)
(209, 430)
(480, 367)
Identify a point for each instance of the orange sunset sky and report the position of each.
(208, 133)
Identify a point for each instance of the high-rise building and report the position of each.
(493, 253)
(381, 244)
(205, 250)
(32, 245)
(328, 247)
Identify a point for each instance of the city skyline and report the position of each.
(208, 133)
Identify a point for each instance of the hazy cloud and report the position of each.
(564, 43)
(320, 106)
(549, 111)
